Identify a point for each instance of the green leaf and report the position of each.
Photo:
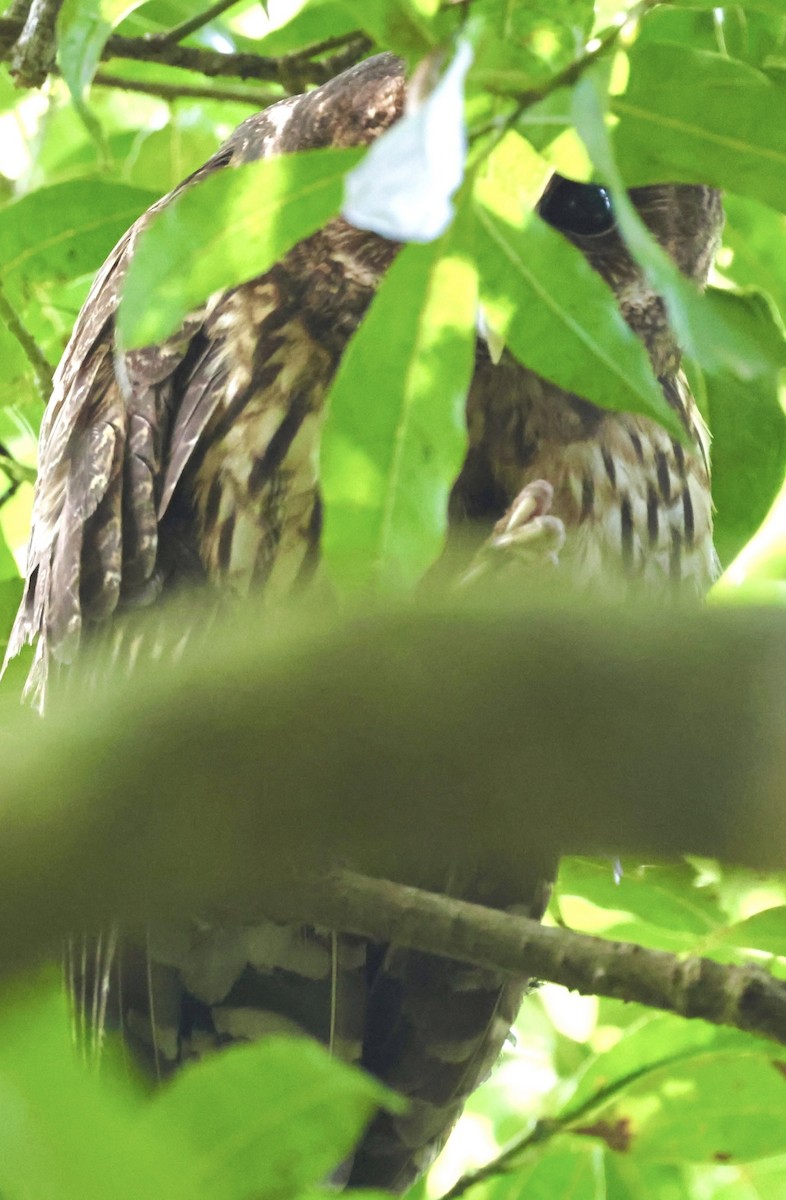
(652, 1043)
(65, 1134)
(700, 320)
(628, 1178)
(666, 896)
(395, 434)
(559, 318)
(66, 230)
(763, 931)
(721, 1105)
(756, 236)
(83, 28)
(399, 25)
(702, 118)
(568, 1168)
(774, 7)
(748, 439)
(230, 227)
(10, 595)
(265, 1119)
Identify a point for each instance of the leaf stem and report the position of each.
(42, 369)
(185, 28)
(180, 91)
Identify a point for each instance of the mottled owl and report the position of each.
(195, 461)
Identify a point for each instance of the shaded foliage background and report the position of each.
(602, 1099)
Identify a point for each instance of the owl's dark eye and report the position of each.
(581, 208)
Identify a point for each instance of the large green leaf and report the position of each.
(666, 896)
(265, 1120)
(559, 318)
(65, 1135)
(66, 230)
(229, 228)
(400, 25)
(395, 435)
(756, 236)
(717, 1105)
(83, 28)
(630, 1178)
(703, 118)
(568, 1168)
(650, 1044)
(748, 439)
(701, 321)
(763, 931)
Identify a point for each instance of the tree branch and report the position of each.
(293, 72)
(36, 47)
(746, 998)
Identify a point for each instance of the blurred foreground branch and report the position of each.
(459, 746)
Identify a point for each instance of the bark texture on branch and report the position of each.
(746, 998)
(34, 53)
(294, 72)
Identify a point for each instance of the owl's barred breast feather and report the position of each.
(196, 460)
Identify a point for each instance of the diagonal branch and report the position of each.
(745, 997)
(35, 50)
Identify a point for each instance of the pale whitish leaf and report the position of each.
(395, 434)
(700, 320)
(404, 187)
(265, 1120)
(559, 318)
(229, 228)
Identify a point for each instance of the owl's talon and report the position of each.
(527, 533)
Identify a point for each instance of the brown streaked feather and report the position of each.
(163, 419)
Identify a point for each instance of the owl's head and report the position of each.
(686, 219)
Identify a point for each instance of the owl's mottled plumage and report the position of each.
(197, 460)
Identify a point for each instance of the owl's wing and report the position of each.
(120, 429)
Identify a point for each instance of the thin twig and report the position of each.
(34, 53)
(42, 369)
(326, 45)
(15, 471)
(507, 1157)
(178, 91)
(185, 28)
